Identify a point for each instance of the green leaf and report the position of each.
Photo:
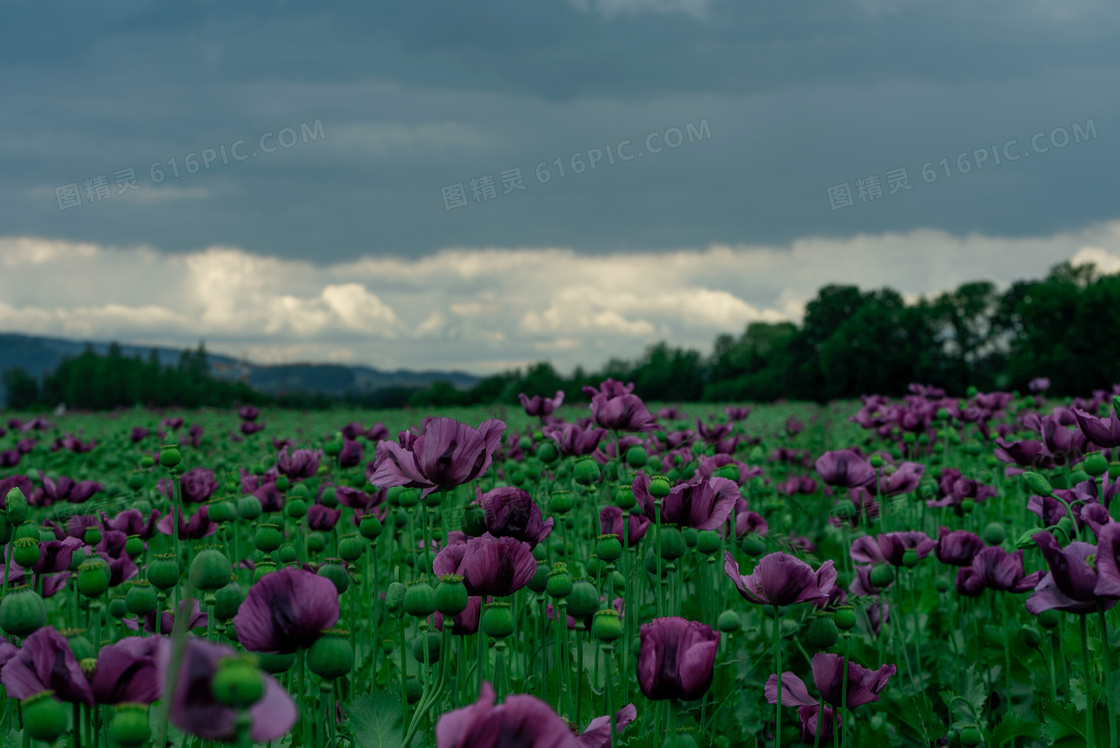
(375, 720)
(12, 740)
(1014, 726)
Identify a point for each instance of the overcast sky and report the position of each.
(484, 185)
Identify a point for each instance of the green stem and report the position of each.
(778, 666)
(1107, 674)
(1085, 670)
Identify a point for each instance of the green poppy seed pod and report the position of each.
(331, 656)
(141, 599)
(910, 558)
(288, 554)
(228, 599)
(238, 682)
(451, 595)
(727, 471)
(823, 631)
(350, 548)
(606, 625)
(971, 736)
(93, 577)
(584, 599)
(409, 497)
(941, 584)
(595, 567)
(539, 582)
(370, 528)
(559, 583)
(274, 664)
(164, 572)
(547, 452)
(659, 486)
(994, 534)
(296, 508)
(80, 645)
(691, 535)
(333, 570)
(329, 497)
(117, 608)
(134, 546)
(518, 479)
(636, 457)
(89, 664)
(1037, 484)
(26, 552)
(609, 549)
(300, 491)
(671, 541)
(130, 726)
(283, 483)
(147, 462)
(1049, 619)
(22, 612)
(433, 640)
(15, 506)
(474, 521)
(221, 511)
(413, 690)
(420, 599)
(497, 621)
(708, 542)
(540, 553)
(876, 460)
(249, 508)
(844, 618)
(268, 538)
(728, 622)
(882, 575)
(92, 536)
(210, 570)
(264, 566)
(333, 448)
(28, 530)
(623, 498)
(560, 502)
(169, 456)
(586, 471)
(967, 505)
(1095, 464)
(44, 718)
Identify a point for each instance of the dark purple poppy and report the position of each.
(248, 413)
(995, 569)
(447, 455)
(541, 406)
(737, 414)
(782, 579)
(793, 426)
(493, 566)
(1108, 561)
(130, 671)
(798, 485)
(45, 662)
(194, 435)
(299, 464)
(1039, 384)
(465, 623)
(77, 525)
(1071, 583)
(55, 555)
(1102, 432)
(196, 618)
(610, 523)
(705, 505)
(270, 497)
(251, 427)
(709, 465)
(195, 710)
(195, 485)
(9, 458)
(829, 673)
(573, 440)
(610, 388)
(957, 547)
(22, 482)
(132, 522)
(286, 610)
(353, 430)
(889, 547)
(322, 518)
(172, 423)
(597, 734)
(953, 488)
(24, 446)
(138, 433)
(671, 414)
(351, 454)
(377, 432)
(622, 413)
(845, 469)
(68, 489)
(902, 479)
(198, 526)
(511, 512)
(676, 659)
(713, 433)
(521, 722)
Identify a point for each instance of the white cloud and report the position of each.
(610, 8)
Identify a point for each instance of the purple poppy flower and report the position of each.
(747, 521)
(610, 523)
(671, 414)
(67, 489)
(196, 618)
(612, 449)
(45, 662)
(709, 465)
(782, 579)
(737, 414)
(676, 659)
(953, 488)
(1102, 432)
(251, 427)
(511, 512)
(521, 722)
(132, 522)
(130, 671)
(844, 468)
(995, 569)
(798, 485)
(957, 547)
(195, 485)
(195, 710)
(322, 518)
(138, 433)
(24, 446)
(22, 482)
(902, 479)
(9, 458)
(248, 413)
(77, 525)
(447, 455)
(55, 555)
(714, 433)
(597, 734)
(829, 673)
(198, 526)
(705, 505)
(573, 440)
(622, 413)
(793, 426)
(489, 566)
(270, 497)
(610, 388)
(465, 623)
(351, 454)
(286, 610)
(889, 547)
(1108, 562)
(1071, 583)
(541, 406)
(299, 464)
(194, 435)
(1039, 384)
(377, 432)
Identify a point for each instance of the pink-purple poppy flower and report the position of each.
(251, 427)
(610, 523)
(286, 610)
(521, 722)
(322, 518)
(829, 673)
(798, 485)
(351, 454)
(138, 433)
(707, 466)
(45, 662)
(67, 489)
(298, 464)
(1071, 582)
(845, 469)
(132, 522)
(676, 659)
(573, 440)
(10, 458)
(610, 388)
(957, 547)
(1039, 384)
(597, 734)
(489, 566)
(995, 569)
(781, 579)
(1100, 431)
(737, 414)
(198, 526)
(247, 413)
(22, 482)
(130, 671)
(889, 547)
(511, 512)
(465, 623)
(538, 405)
(195, 485)
(705, 505)
(622, 413)
(448, 454)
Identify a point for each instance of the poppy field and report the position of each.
(932, 570)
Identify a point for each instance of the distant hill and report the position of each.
(40, 355)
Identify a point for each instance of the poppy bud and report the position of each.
(560, 502)
(728, 622)
(609, 549)
(249, 507)
(671, 541)
(941, 584)
(433, 640)
(584, 600)
(1049, 619)
(882, 575)
(210, 570)
(606, 626)
(228, 599)
(331, 656)
(169, 456)
(994, 533)
(141, 599)
(691, 534)
(44, 718)
(823, 632)
(130, 726)
(26, 552)
(22, 611)
(1025, 540)
(15, 505)
(1037, 484)
(93, 577)
(844, 618)
(134, 546)
(547, 452)
(559, 583)
(268, 538)
(497, 621)
(875, 461)
(539, 582)
(237, 682)
(333, 570)
(221, 511)
(753, 544)
(1095, 464)
(967, 505)
(659, 486)
(910, 558)
(971, 736)
(1065, 524)
(636, 457)
(420, 599)
(451, 595)
(708, 542)
(288, 553)
(413, 690)
(135, 481)
(586, 471)
(394, 599)
(275, 664)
